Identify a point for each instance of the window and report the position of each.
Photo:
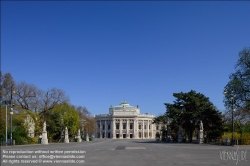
(103, 126)
(117, 126)
(157, 127)
(149, 126)
(131, 126)
(108, 127)
(145, 126)
(139, 126)
(124, 126)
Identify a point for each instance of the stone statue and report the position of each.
(78, 133)
(200, 134)
(44, 126)
(87, 137)
(66, 131)
(79, 136)
(44, 134)
(201, 125)
(66, 139)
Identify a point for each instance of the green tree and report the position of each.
(189, 109)
(69, 117)
(162, 119)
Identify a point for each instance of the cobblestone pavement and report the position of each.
(108, 152)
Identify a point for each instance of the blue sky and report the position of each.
(101, 53)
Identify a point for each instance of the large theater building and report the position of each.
(125, 122)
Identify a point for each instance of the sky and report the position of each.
(101, 53)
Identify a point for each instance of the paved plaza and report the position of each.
(108, 152)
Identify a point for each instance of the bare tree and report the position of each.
(82, 111)
(27, 96)
(50, 99)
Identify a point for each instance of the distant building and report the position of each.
(125, 122)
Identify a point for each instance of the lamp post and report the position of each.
(83, 127)
(61, 122)
(232, 100)
(7, 103)
(11, 113)
(6, 125)
(105, 133)
(168, 130)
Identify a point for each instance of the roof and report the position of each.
(123, 104)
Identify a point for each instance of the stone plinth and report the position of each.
(44, 135)
(66, 139)
(200, 137)
(200, 134)
(87, 137)
(44, 138)
(79, 136)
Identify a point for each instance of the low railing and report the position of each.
(101, 115)
(149, 115)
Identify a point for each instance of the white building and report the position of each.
(125, 122)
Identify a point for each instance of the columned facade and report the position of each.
(125, 122)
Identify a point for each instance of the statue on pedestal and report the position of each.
(201, 125)
(87, 137)
(79, 136)
(44, 134)
(66, 139)
(200, 134)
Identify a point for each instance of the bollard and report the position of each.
(14, 143)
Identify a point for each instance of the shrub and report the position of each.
(229, 136)
(244, 139)
(34, 140)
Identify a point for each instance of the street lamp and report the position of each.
(7, 103)
(11, 113)
(232, 100)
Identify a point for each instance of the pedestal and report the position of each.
(66, 139)
(200, 137)
(87, 138)
(79, 139)
(44, 138)
(179, 138)
(79, 136)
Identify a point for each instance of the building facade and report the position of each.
(125, 122)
